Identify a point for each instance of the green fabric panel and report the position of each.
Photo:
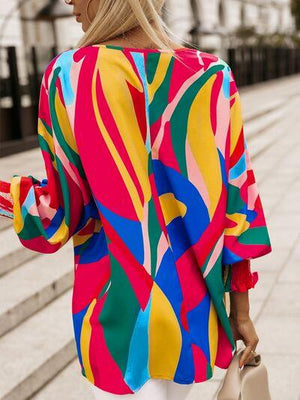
(256, 235)
(179, 119)
(161, 97)
(118, 315)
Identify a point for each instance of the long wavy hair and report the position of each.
(115, 17)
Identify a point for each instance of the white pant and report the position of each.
(153, 389)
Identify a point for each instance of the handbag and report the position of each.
(248, 383)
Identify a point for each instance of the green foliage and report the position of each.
(295, 7)
(247, 36)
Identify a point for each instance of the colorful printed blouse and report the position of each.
(148, 171)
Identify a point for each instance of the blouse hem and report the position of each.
(156, 376)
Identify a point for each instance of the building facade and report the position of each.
(29, 38)
(217, 18)
(220, 18)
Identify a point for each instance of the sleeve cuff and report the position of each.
(6, 200)
(242, 278)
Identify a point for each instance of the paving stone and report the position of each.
(30, 353)
(284, 300)
(28, 295)
(290, 272)
(278, 335)
(68, 385)
(204, 390)
(264, 285)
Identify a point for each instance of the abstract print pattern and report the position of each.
(149, 172)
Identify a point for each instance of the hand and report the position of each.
(243, 328)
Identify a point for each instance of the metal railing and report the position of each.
(18, 118)
(258, 64)
(19, 96)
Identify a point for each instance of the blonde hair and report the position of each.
(115, 17)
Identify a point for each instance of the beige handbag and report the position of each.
(248, 383)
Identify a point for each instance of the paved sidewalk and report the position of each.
(274, 144)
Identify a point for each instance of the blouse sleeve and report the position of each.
(245, 235)
(47, 213)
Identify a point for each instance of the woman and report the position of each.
(149, 172)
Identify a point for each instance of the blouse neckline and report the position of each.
(117, 47)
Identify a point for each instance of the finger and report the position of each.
(248, 355)
(245, 355)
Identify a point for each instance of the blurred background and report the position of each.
(260, 39)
